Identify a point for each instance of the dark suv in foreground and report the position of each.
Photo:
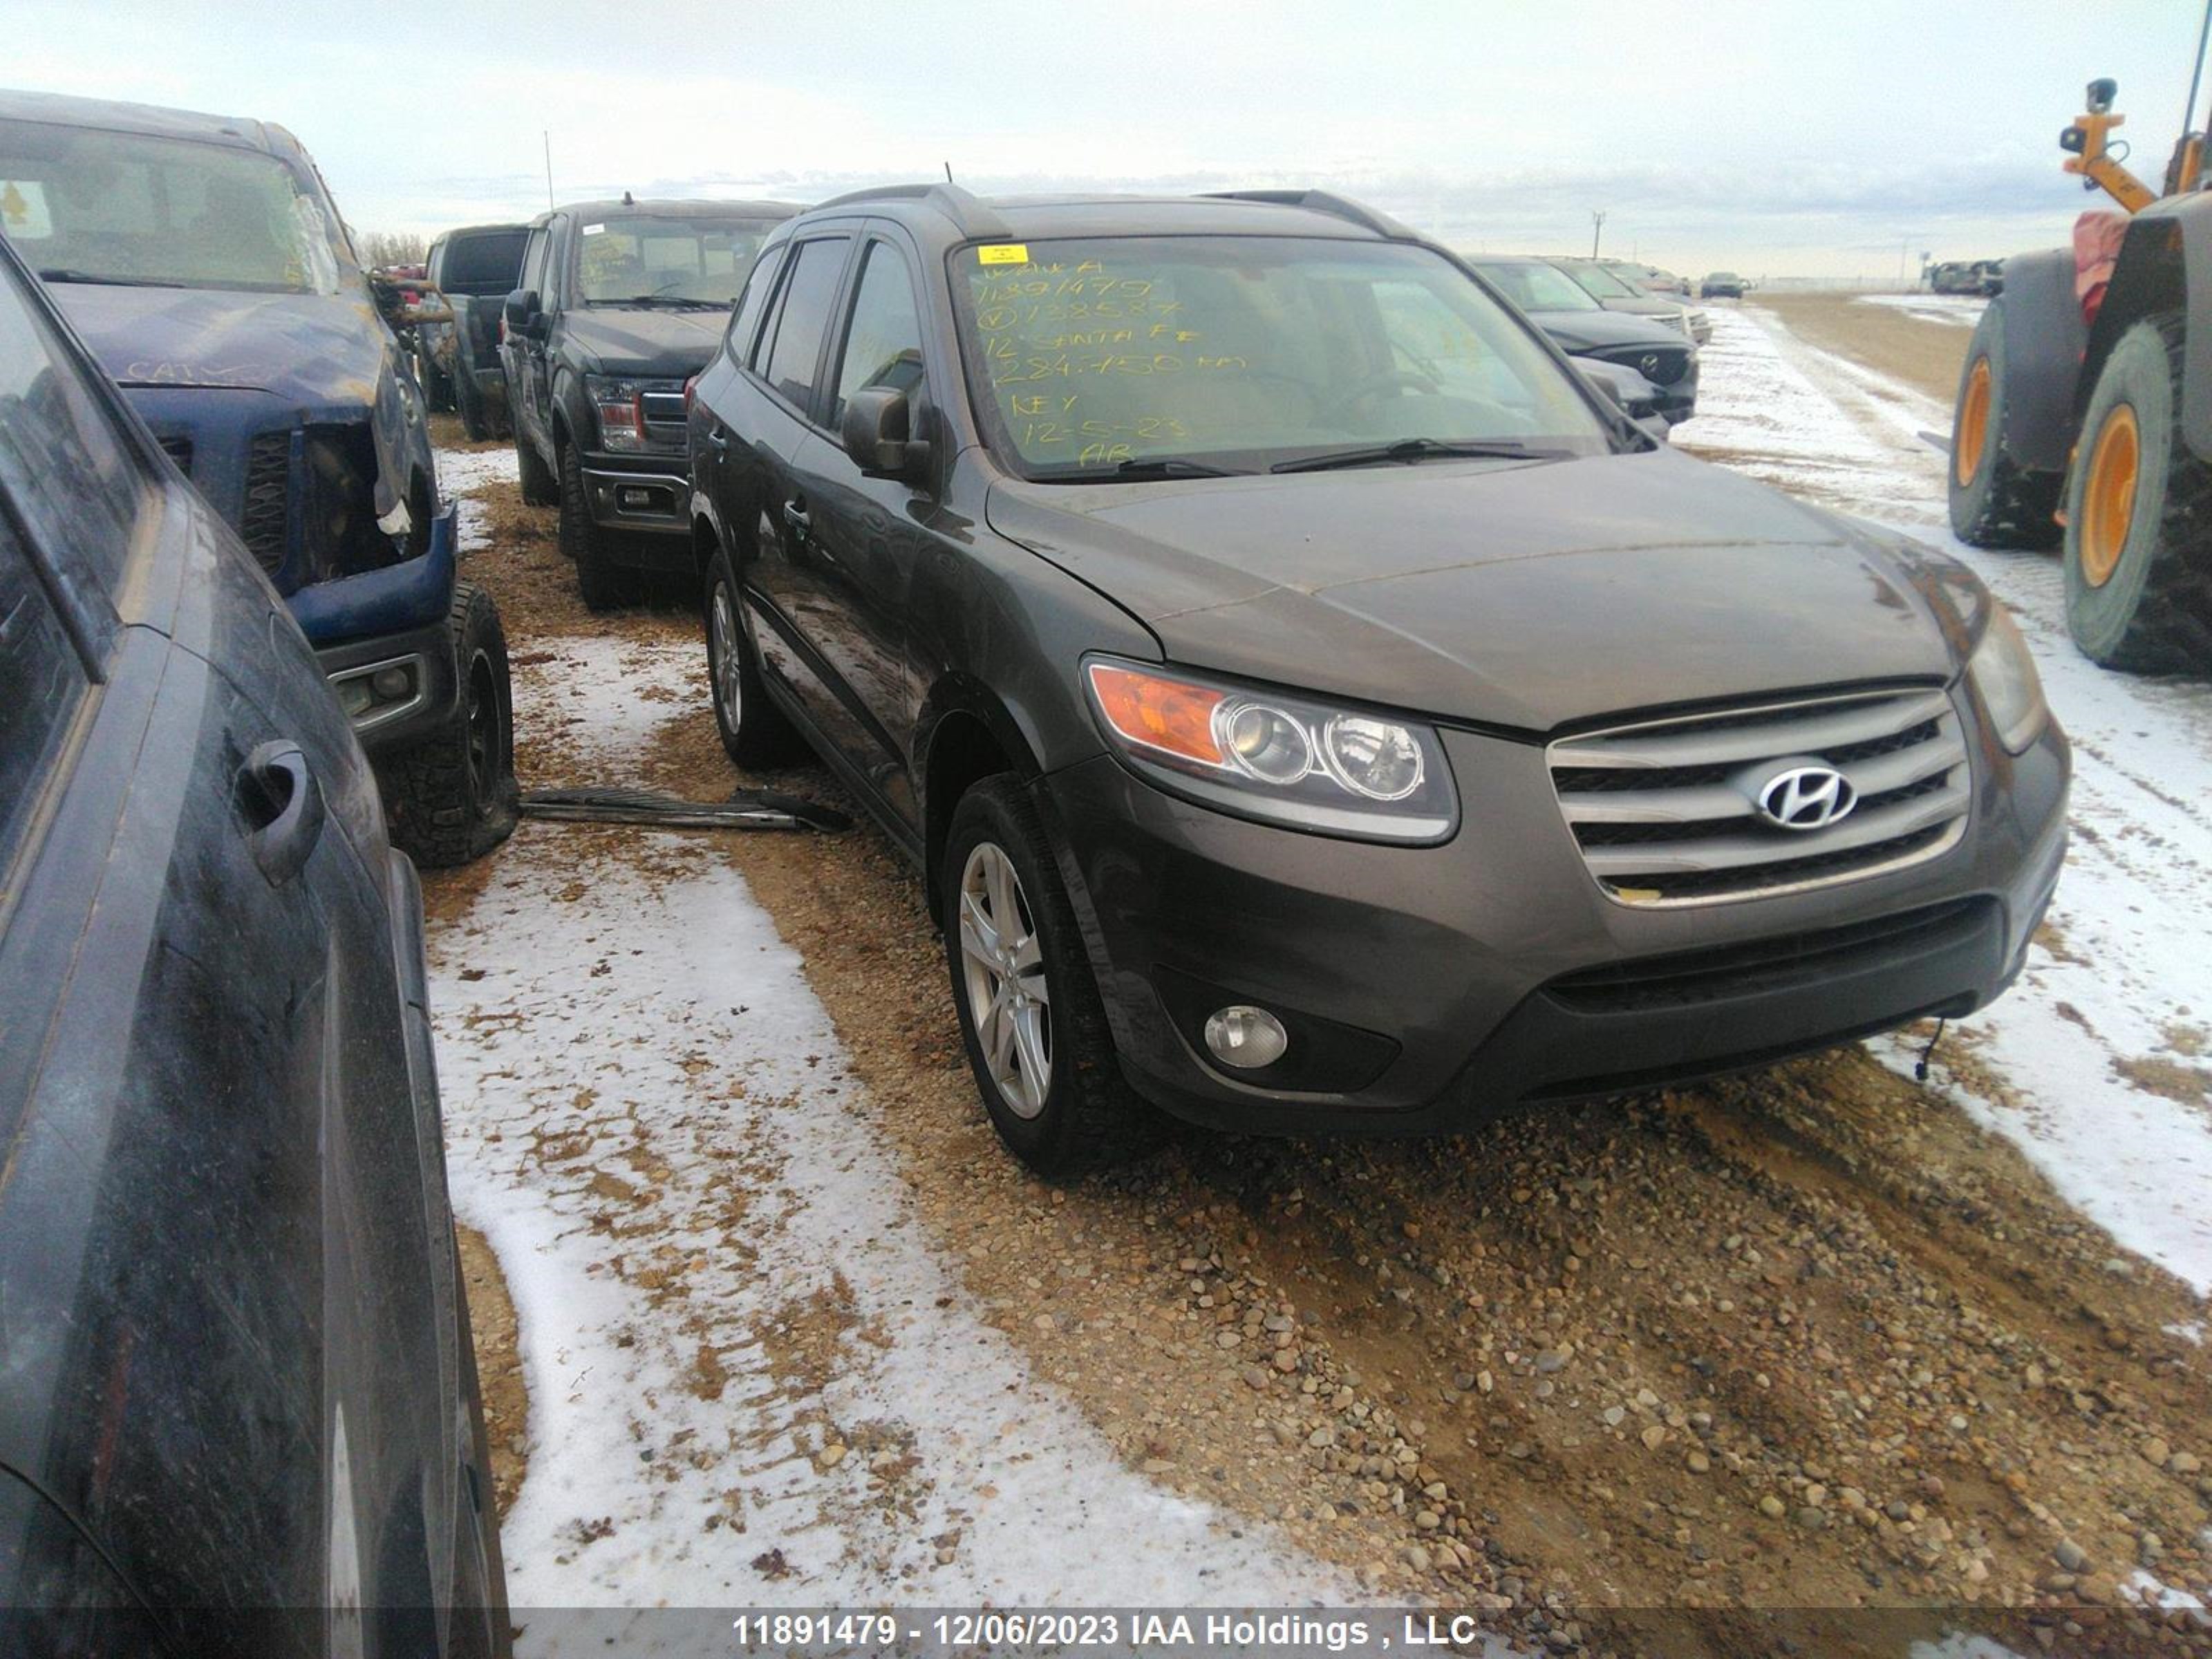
(620, 303)
(238, 1410)
(1311, 704)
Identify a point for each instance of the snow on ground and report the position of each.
(1959, 310)
(462, 471)
(2125, 979)
(718, 1277)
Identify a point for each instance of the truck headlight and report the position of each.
(1278, 756)
(2004, 674)
(621, 414)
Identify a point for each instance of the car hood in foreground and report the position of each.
(672, 343)
(316, 350)
(1524, 596)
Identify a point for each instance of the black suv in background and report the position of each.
(1312, 705)
(1580, 326)
(239, 1410)
(617, 305)
(473, 271)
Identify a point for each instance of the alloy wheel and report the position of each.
(1002, 965)
(729, 687)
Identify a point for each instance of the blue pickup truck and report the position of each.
(202, 260)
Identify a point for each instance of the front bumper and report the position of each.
(425, 655)
(1426, 988)
(639, 495)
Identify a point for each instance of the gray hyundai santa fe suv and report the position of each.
(1311, 705)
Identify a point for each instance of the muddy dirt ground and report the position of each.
(1925, 355)
(1804, 1339)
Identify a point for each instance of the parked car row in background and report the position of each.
(471, 271)
(1982, 276)
(1662, 355)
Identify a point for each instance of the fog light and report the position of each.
(354, 695)
(392, 684)
(1245, 1036)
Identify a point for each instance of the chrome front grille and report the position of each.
(1667, 813)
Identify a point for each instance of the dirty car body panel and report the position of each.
(238, 1406)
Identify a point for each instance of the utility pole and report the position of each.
(546, 133)
(1597, 229)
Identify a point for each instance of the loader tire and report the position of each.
(2139, 514)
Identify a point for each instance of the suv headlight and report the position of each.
(1264, 754)
(621, 415)
(2004, 674)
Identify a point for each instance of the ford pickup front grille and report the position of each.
(1669, 813)
(262, 523)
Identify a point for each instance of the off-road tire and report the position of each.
(2154, 613)
(603, 584)
(755, 733)
(1089, 1118)
(1998, 503)
(539, 487)
(451, 796)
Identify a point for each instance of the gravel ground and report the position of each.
(1807, 1339)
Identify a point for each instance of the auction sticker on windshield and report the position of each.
(1003, 253)
(23, 210)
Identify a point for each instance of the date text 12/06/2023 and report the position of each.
(1194, 1633)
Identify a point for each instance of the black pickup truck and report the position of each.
(618, 304)
(474, 269)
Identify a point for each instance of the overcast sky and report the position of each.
(1786, 138)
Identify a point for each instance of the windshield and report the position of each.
(646, 257)
(1598, 281)
(1243, 351)
(89, 206)
(1534, 286)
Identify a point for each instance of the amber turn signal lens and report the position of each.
(1169, 715)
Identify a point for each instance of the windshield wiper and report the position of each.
(681, 301)
(1145, 466)
(64, 274)
(1417, 449)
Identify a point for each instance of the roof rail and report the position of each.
(1322, 201)
(963, 207)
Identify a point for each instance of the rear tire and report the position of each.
(539, 487)
(2139, 514)
(452, 797)
(1042, 1054)
(603, 584)
(756, 735)
(1995, 502)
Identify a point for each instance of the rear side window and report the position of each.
(882, 346)
(42, 683)
(744, 322)
(802, 317)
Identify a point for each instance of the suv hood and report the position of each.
(1588, 331)
(316, 350)
(644, 343)
(1524, 596)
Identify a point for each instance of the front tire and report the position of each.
(1995, 501)
(452, 797)
(755, 732)
(2139, 514)
(1031, 1016)
(602, 584)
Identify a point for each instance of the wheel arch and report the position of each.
(2165, 259)
(967, 734)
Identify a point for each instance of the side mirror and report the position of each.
(1606, 383)
(877, 425)
(1655, 427)
(522, 308)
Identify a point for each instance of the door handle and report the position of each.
(282, 806)
(795, 516)
(719, 439)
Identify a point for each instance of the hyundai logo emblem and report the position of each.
(1806, 798)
